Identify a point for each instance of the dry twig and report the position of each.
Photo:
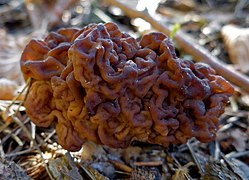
(121, 166)
(195, 159)
(150, 163)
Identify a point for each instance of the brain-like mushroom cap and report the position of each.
(102, 85)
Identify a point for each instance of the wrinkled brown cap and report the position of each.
(100, 84)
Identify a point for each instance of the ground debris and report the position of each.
(145, 173)
(64, 168)
(10, 170)
(218, 170)
(30, 152)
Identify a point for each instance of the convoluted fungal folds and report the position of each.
(102, 85)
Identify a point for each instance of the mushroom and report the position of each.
(102, 85)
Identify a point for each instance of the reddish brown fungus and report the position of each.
(100, 84)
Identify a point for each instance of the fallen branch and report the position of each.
(186, 44)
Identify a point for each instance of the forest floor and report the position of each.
(29, 152)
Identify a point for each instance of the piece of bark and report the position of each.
(64, 168)
(10, 170)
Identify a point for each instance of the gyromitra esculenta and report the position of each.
(102, 85)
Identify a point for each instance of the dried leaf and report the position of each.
(239, 139)
(9, 56)
(53, 12)
(7, 89)
(236, 40)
